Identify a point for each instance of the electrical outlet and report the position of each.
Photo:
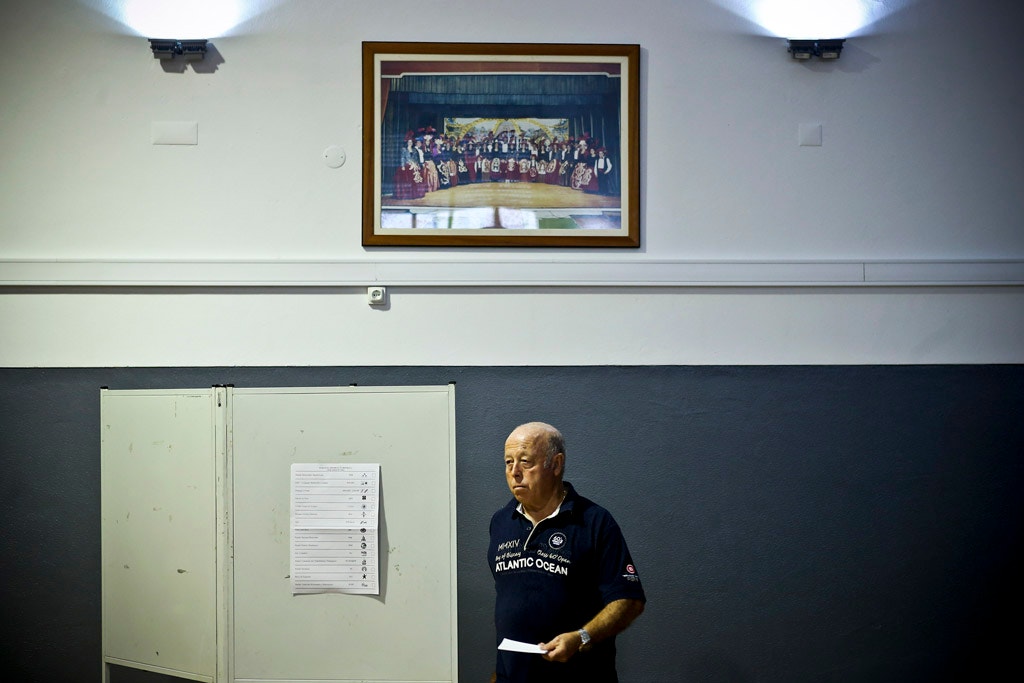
(376, 295)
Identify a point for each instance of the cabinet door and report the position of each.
(408, 632)
(159, 516)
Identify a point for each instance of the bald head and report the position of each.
(547, 439)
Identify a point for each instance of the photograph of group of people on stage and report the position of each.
(472, 142)
(503, 151)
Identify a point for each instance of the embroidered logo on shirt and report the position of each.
(557, 540)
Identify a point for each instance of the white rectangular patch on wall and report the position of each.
(810, 135)
(174, 132)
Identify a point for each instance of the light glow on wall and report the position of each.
(814, 18)
(181, 18)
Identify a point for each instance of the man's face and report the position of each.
(531, 483)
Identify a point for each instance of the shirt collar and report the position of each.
(565, 506)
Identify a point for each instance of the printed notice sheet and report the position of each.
(335, 515)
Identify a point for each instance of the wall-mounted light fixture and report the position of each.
(823, 48)
(168, 48)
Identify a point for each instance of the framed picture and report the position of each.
(481, 144)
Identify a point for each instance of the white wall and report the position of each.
(922, 160)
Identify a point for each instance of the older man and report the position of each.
(563, 575)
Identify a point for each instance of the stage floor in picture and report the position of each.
(504, 205)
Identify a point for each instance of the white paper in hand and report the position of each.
(519, 646)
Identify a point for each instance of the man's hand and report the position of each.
(610, 621)
(562, 647)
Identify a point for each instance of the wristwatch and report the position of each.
(584, 640)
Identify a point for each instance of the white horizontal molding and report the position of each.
(503, 273)
(944, 272)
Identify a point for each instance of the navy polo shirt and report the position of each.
(555, 578)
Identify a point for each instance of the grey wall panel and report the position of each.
(789, 523)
